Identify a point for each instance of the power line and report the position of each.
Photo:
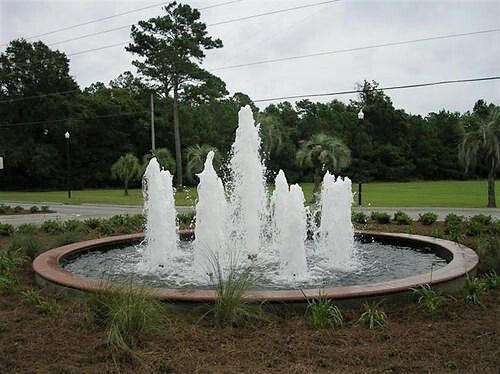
(112, 16)
(388, 88)
(326, 53)
(208, 25)
(71, 119)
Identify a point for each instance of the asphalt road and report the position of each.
(66, 212)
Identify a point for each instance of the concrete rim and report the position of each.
(47, 267)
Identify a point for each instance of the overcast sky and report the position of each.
(337, 25)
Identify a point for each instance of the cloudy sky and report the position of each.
(343, 24)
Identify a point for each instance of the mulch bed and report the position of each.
(462, 338)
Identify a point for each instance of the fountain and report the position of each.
(292, 248)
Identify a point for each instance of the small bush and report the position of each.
(34, 209)
(127, 314)
(186, 218)
(27, 228)
(18, 209)
(45, 209)
(105, 228)
(92, 223)
(492, 280)
(31, 296)
(8, 283)
(452, 222)
(4, 209)
(474, 288)
(69, 237)
(477, 225)
(359, 217)
(52, 227)
(401, 218)
(6, 229)
(10, 261)
(74, 225)
(429, 299)
(372, 316)
(48, 308)
(324, 314)
(436, 232)
(427, 218)
(380, 217)
(29, 245)
(488, 250)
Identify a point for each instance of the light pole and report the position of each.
(66, 136)
(361, 116)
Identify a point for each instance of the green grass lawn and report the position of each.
(467, 194)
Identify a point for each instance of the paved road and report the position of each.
(84, 211)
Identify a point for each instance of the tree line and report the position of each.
(107, 121)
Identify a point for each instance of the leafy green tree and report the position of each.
(482, 145)
(164, 158)
(171, 48)
(323, 152)
(196, 156)
(126, 169)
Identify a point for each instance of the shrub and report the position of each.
(488, 250)
(380, 217)
(324, 314)
(6, 229)
(477, 225)
(105, 228)
(34, 209)
(402, 218)
(69, 237)
(372, 316)
(8, 282)
(74, 225)
(186, 218)
(29, 245)
(436, 232)
(359, 217)
(92, 223)
(429, 299)
(473, 289)
(4, 209)
(52, 227)
(452, 222)
(27, 228)
(492, 280)
(427, 218)
(10, 261)
(48, 308)
(31, 296)
(18, 209)
(45, 208)
(126, 313)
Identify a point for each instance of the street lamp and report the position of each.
(361, 116)
(66, 136)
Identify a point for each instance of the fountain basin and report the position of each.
(461, 261)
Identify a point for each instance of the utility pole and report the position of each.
(153, 145)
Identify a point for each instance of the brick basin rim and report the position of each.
(47, 266)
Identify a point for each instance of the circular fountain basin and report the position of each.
(49, 269)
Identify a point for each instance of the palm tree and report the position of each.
(127, 169)
(482, 145)
(164, 158)
(323, 152)
(196, 156)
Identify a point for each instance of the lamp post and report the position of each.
(66, 136)
(361, 116)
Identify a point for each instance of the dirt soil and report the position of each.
(461, 338)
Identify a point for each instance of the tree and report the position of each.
(126, 169)
(481, 144)
(323, 152)
(171, 48)
(164, 158)
(196, 156)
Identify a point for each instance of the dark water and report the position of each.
(374, 262)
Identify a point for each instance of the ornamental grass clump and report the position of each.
(401, 218)
(428, 299)
(427, 218)
(324, 314)
(127, 314)
(373, 316)
(474, 288)
(380, 217)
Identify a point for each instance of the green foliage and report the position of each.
(359, 217)
(488, 250)
(18, 209)
(186, 218)
(8, 283)
(492, 280)
(324, 314)
(48, 308)
(6, 229)
(380, 217)
(74, 225)
(474, 288)
(196, 156)
(428, 299)
(28, 244)
(45, 209)
(126, 169)
(164, 158)
(34, 209)
(401, 218)
(69, 237)
(478, 224)
(436, 232)
(427, 218)
(52, 227)
(454, 227)
(92, 223)
(10, 261)
(127, 314)
(27, 228)
(373, 316)
(31, 296)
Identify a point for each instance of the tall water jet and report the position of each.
(159, 209)
(247, 188)
(336, 230)
(289, 217)
(211, 220)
